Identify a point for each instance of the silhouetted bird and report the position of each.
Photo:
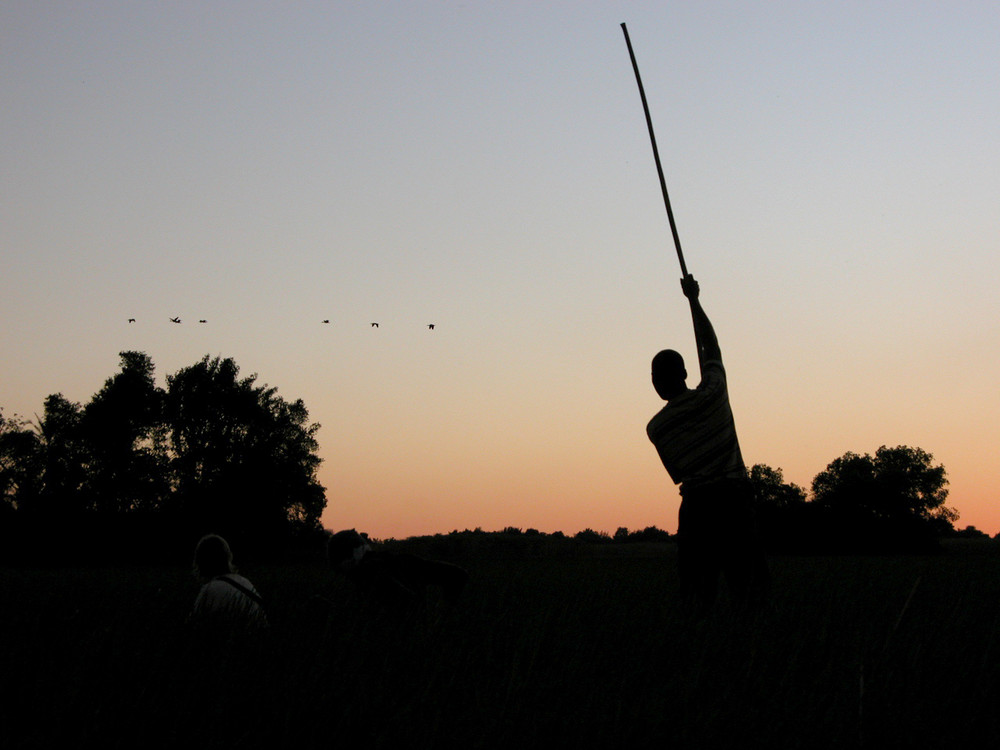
(131, 320)
(374, 325)
(431, 326)
(202, 321)
(175, 320)
(326, 321)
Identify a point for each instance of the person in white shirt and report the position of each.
(226, 598)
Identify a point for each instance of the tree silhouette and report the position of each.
(20, 464)
(243, 458)
(126, 437)
(897, 492)
(787, 523)
(649, 534)
(63, 458)
(212, 452)
(591, 536)
(771, 491)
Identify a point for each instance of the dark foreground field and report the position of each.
(583, 650)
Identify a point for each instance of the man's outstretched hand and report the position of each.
(690, 287)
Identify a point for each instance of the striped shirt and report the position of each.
(695, 434)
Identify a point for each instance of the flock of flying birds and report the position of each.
(430, 326)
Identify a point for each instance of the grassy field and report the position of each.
(585, 649)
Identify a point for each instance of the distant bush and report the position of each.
(511, 542)
(650, 534)
(589, 535)
(970, 532)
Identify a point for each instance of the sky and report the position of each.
(834, 171)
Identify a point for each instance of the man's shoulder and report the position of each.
(657, 418)
(672, 411)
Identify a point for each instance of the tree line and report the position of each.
(892, 500)
(212, 451)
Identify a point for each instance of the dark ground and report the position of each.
(586, 648)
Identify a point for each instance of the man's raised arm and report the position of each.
(704, 334)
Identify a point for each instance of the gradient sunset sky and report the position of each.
(834, 169)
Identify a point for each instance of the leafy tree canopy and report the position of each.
(213, 447)
(126, 437)
(771, 490)
(241, 448)
(896, 484)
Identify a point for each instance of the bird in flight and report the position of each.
(175, 320)
(430, 326)
(131, 320)
(374, 325)
(202, 321)
(327, 320)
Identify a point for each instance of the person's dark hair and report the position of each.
(212, 557)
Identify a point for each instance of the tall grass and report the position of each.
(574, 650)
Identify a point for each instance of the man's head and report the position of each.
(669, 374)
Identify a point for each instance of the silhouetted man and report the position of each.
(695, 436)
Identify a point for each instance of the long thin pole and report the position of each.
(656, 155)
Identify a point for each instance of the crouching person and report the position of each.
(392, 577)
